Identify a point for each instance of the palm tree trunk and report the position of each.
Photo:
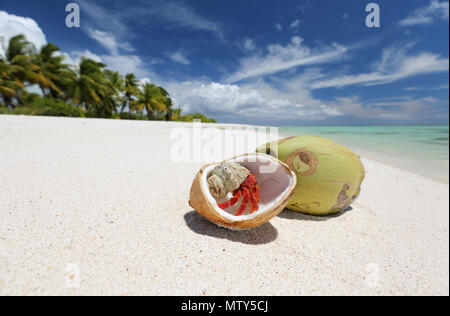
(168, 115)
(43, 90)
(124, 104)
(8, 102)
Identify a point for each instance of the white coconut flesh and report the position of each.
(274, 186)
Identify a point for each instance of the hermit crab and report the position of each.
(242, 192)
(232, 177)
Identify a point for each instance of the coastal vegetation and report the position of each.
(88, 89)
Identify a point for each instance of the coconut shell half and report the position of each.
(276, 181)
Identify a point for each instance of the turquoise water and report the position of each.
(421, 149)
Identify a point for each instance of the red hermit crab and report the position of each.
(242, 192)
(232, 177)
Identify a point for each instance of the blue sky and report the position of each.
(263, 61)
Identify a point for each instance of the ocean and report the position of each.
(423, 150)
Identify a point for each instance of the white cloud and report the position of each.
(182, 15)
(178, 14)
(289, 98)
(441, 87)
(254, 102)
(257, 101)
(111, 30)
(248, 44)
(74, 58)
(100, 17)
(279, 27)
(179, 58)
(389, 109)
(280, 58)
(122, 63)
(109, 41)
(394, 65)
(427, 15)
(296, 40)
(12, 25)
(108, 28)
(295, 23)
(305, 6)
(128, 64)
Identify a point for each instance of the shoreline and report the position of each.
(105, 197)
(384, 158)
(156, 122)
(371, 156)
(363, 153)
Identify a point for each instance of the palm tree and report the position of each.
(10, 86)
(175, 114)
(90, 86)
(19, 55)
(152, 99)
(51, 65)
(131, 89)
(99, 91)
(168, 103)
(115, 83)
(18, 45)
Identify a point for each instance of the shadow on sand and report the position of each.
(317, 218)
(263, 234)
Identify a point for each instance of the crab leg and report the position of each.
(232, 201)
(256, 193)
(253, 201)
(243, 206)
(249, 191)
(251, 184)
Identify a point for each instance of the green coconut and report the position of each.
(329, 175)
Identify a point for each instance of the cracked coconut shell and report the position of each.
(276, 181)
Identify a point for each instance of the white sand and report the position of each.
(104, 195)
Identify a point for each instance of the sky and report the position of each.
(263, 61)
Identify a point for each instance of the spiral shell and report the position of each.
(226, 177)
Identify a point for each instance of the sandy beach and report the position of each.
(103, 198)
